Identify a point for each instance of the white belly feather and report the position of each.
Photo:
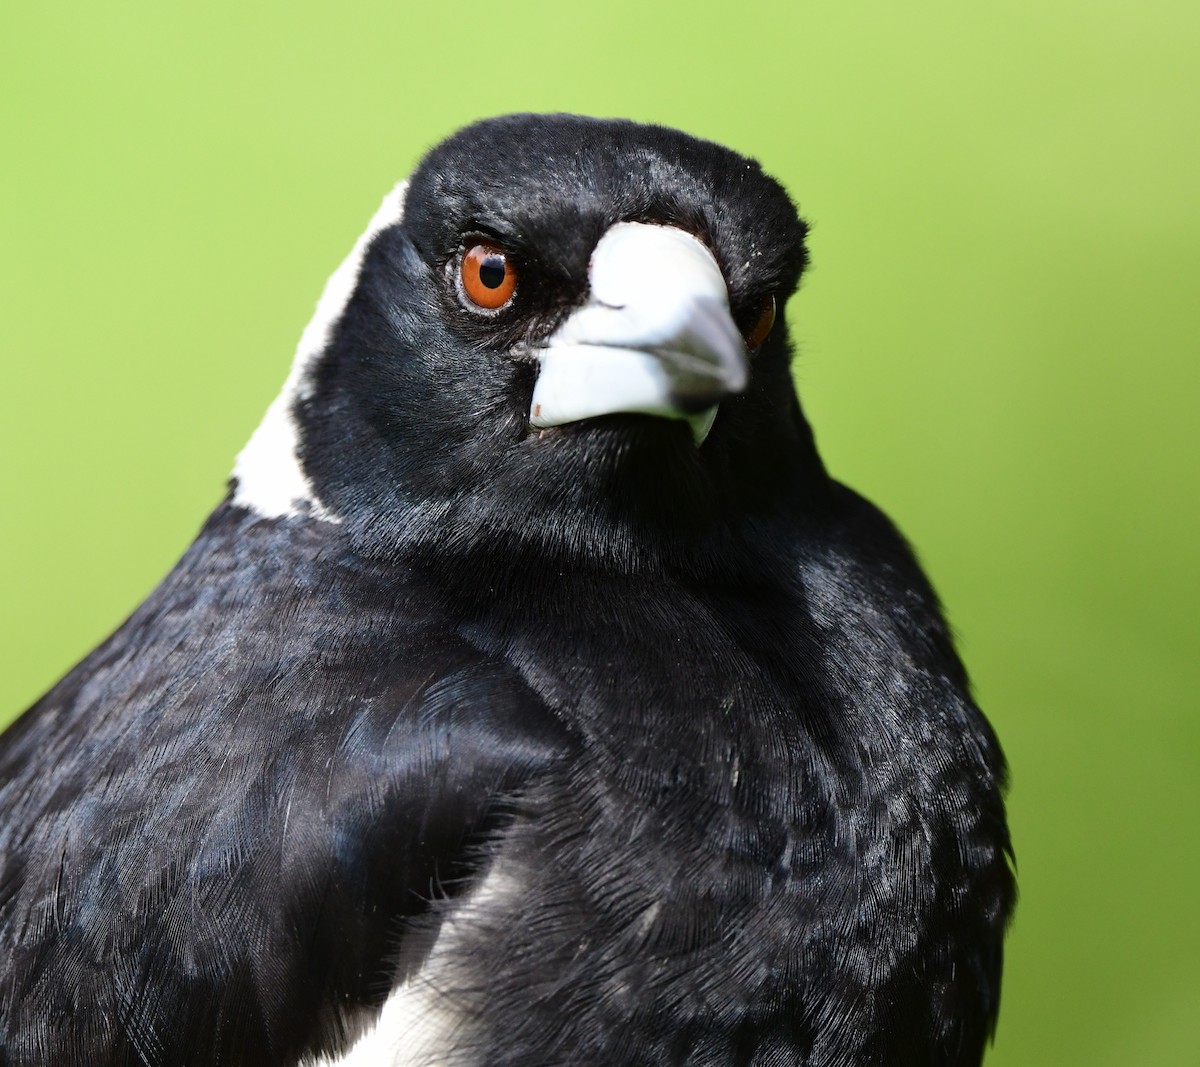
(419, 1024)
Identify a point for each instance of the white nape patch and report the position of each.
(419, 1023)
(271, 480)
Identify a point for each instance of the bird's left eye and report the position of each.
(489, 276)
(762, 325)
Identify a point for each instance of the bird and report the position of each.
(534, 696)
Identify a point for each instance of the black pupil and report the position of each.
(491, 271)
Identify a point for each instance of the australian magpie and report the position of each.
(535, 697)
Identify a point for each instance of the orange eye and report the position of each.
(489, 277)
(762, 326)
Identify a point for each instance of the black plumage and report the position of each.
(605, 742)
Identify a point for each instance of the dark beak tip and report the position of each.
(695, 401)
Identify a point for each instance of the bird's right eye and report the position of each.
(488, 276)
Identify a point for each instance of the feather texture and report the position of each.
(587, 745)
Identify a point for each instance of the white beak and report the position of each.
(656, 336)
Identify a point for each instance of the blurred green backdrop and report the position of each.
(998, 343)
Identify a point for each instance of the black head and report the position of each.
(415, 418)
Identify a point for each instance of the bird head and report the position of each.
(561, 331)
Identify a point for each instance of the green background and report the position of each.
(998, 344)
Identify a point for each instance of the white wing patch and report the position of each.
(270, 477)
(420, 1022)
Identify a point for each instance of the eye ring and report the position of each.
(487, 277)
(762, 325)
